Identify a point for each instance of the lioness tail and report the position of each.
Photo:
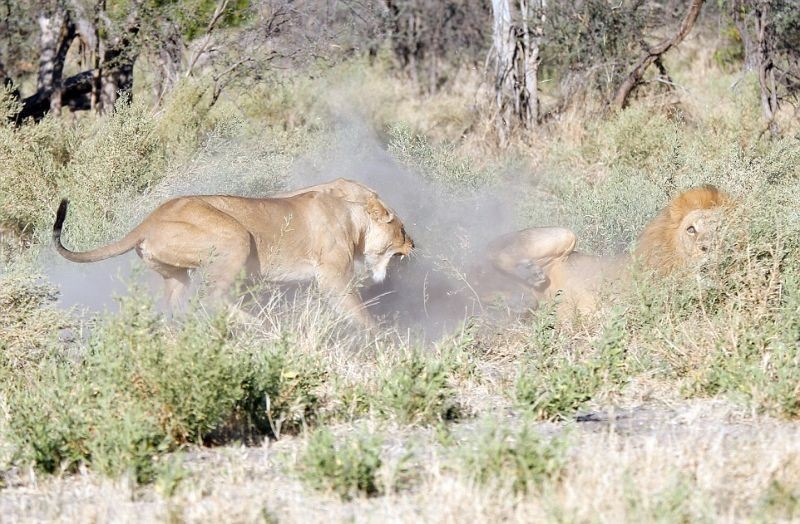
(116, 248)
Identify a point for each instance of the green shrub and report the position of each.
(555, 388)
(32, 157)
(141, 387)
(781, 502)
(760, 362)
(416, 390)
(29, 321)
(50, 422)
(729, 54)
(138, 391)
(554, 381)
(348, 468)
(189, 380)
(680, 501)
(281, 389)
(520, 458)
(442, 164)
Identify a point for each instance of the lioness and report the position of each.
(543, 262)
(311, 235)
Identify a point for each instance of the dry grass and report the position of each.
(694, 461)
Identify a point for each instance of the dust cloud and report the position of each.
(430, 293)
(427, 294)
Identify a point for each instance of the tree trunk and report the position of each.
(50, 23)
(766, 66)
(5, 80)
(97, 88)
(503, 50)
(66, 37)
(57, 34)
(531, 61)
(515, 52)
(739, 16)
(116, 76)
(635, 76)
(97, 65)
(168, 60)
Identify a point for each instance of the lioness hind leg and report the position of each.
(176, 282)
(220, 246)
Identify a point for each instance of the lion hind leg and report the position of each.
(532, 251)
(221, 252)
(176, 285)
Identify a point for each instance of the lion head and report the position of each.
(684, 230)
(384, 238)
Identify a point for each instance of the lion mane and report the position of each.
(659, 245)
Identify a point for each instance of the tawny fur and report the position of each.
(309, 235)
(683, 231)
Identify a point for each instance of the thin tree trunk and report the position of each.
(515, 52)
(503, 50)
(635, 76)
(117, 64)
(738, 11)
(49, 28)
(57, 33)
(218, 12)
(766, 67)
(67, 35)
(97, 66)
(531, 61)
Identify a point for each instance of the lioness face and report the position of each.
(696, 234)
(386, 238)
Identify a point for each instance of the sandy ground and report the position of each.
(714, 460)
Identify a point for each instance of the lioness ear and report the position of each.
(378, 211)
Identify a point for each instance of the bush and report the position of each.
(415, 390)
(32, 157)
(138, 391)
(29, 322)
(554, 381)
(280, 393)
(520, 458)
(681, 500)
(349, 468)
(143, 388)
(441, 164)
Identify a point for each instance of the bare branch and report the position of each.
(635, 76)
(218, 12)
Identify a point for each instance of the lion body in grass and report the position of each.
(541, 263)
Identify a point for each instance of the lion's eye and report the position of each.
(691, 230)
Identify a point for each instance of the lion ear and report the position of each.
(378, 211)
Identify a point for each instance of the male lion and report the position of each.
(540, 262)
(311, 235)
